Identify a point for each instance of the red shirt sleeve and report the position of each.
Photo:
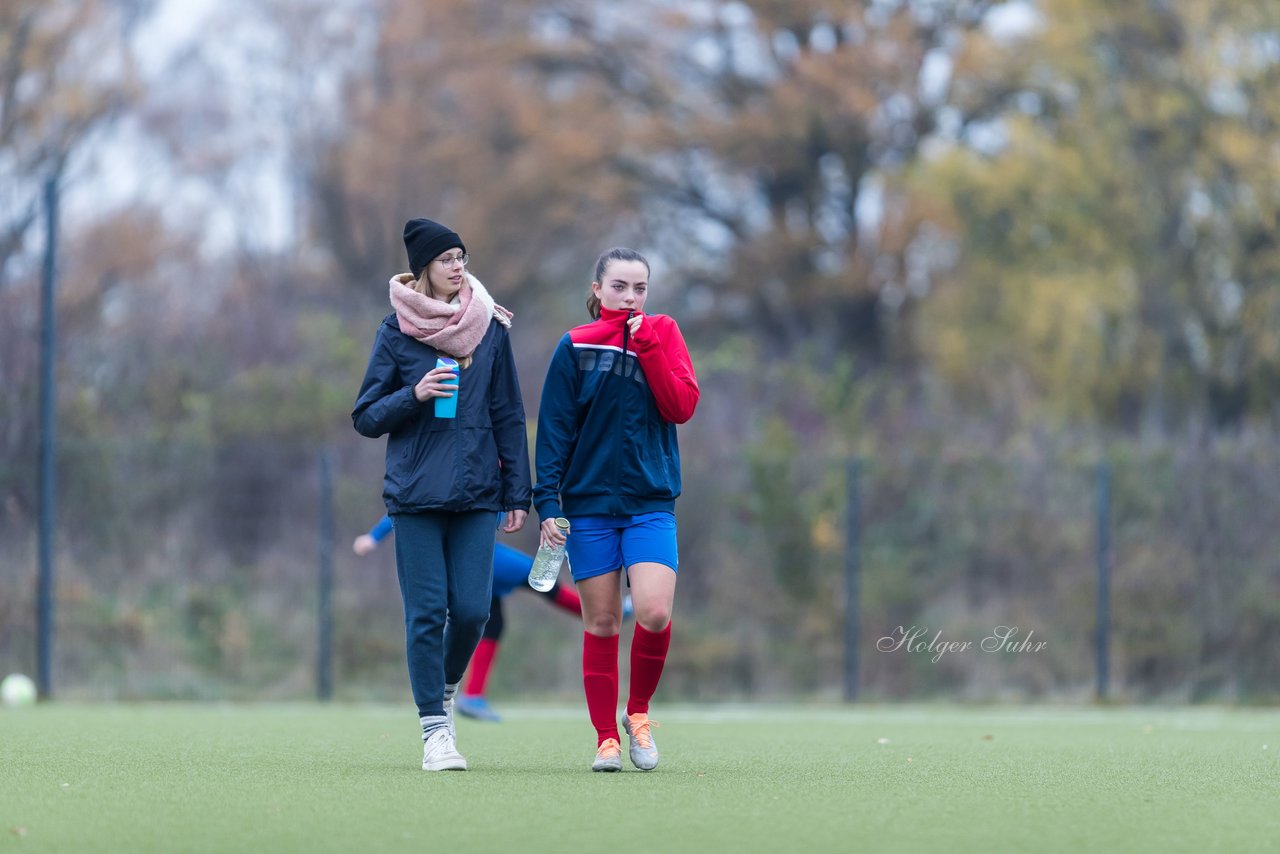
(667, 368)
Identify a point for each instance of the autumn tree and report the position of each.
(66, 72)
(446, 119)
(1118, 241)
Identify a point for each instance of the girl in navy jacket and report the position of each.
(608, 460)
(445, 476)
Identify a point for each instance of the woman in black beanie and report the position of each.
(447, 473)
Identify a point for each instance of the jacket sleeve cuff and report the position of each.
(548, 510)
(645, 338)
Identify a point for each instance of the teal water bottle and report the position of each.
(447, 407)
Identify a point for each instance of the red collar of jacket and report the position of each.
(607, 330)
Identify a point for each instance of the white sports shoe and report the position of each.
(608, 756)
(448, 719)
(643, 750)
(450, 696)
(440, 752)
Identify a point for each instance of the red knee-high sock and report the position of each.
(567, 598)
(600, 680)
(481, 662)
(648, 655)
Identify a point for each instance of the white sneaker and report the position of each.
(448, 718)
(440, 752)
(450, 696)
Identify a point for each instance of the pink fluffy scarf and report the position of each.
(453, 328)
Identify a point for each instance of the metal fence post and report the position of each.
(324, 608)
(852, 576)
(48, 450)
(1103, 633)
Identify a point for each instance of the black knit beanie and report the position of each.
(424, 240)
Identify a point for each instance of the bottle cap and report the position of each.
(562, 522)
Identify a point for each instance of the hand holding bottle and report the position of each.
(550, 556)
(552, 534)
(440, 381)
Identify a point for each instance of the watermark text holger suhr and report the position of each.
(916, 639)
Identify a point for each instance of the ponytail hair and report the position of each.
(617, 253)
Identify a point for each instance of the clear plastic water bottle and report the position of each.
(546, 563)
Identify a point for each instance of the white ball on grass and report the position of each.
(17, 689)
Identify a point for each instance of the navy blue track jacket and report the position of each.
(606, 440)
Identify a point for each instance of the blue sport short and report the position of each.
(602, 544)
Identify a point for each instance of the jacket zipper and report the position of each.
(622, 411)
(626, 335)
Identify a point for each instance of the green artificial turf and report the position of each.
(105, 778)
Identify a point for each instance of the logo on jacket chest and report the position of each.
(609, 361)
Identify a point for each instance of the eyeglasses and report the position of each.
(448, 261)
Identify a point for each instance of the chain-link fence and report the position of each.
(195, 570)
